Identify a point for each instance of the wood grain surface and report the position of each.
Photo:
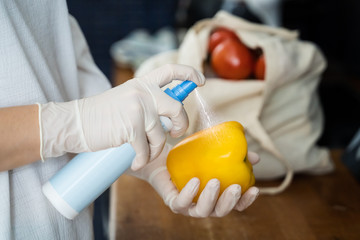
(313, 207)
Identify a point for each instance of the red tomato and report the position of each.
(219, 35)
(260, 68)
(232, 60)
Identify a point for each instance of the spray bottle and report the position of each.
(89, 174)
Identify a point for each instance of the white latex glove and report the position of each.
(127, 113)
(207, 205)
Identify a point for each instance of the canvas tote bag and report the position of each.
(282, 115)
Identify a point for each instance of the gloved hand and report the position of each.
(126, 113)
(207, 205)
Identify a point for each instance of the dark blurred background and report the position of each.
(331, 24)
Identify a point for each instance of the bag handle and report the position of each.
(258, 133)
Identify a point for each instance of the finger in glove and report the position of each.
(227, 201)
(207, 200)
(247, 199)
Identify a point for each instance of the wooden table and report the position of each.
(313, 207)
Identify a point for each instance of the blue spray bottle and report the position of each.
(89, 174)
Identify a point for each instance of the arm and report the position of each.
(19, 126)
(19, 136)
(127, 113)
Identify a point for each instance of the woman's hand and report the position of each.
(208, 203)
(127, 113)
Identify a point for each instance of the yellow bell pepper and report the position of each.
(217, 152)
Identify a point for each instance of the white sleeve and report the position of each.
(92, 81)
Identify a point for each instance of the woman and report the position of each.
(46, 71)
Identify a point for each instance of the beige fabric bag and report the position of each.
(282, 115)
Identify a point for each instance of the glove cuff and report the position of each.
(60, 129)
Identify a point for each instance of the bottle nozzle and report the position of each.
(181, 91)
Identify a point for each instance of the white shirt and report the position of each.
(43, 57)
